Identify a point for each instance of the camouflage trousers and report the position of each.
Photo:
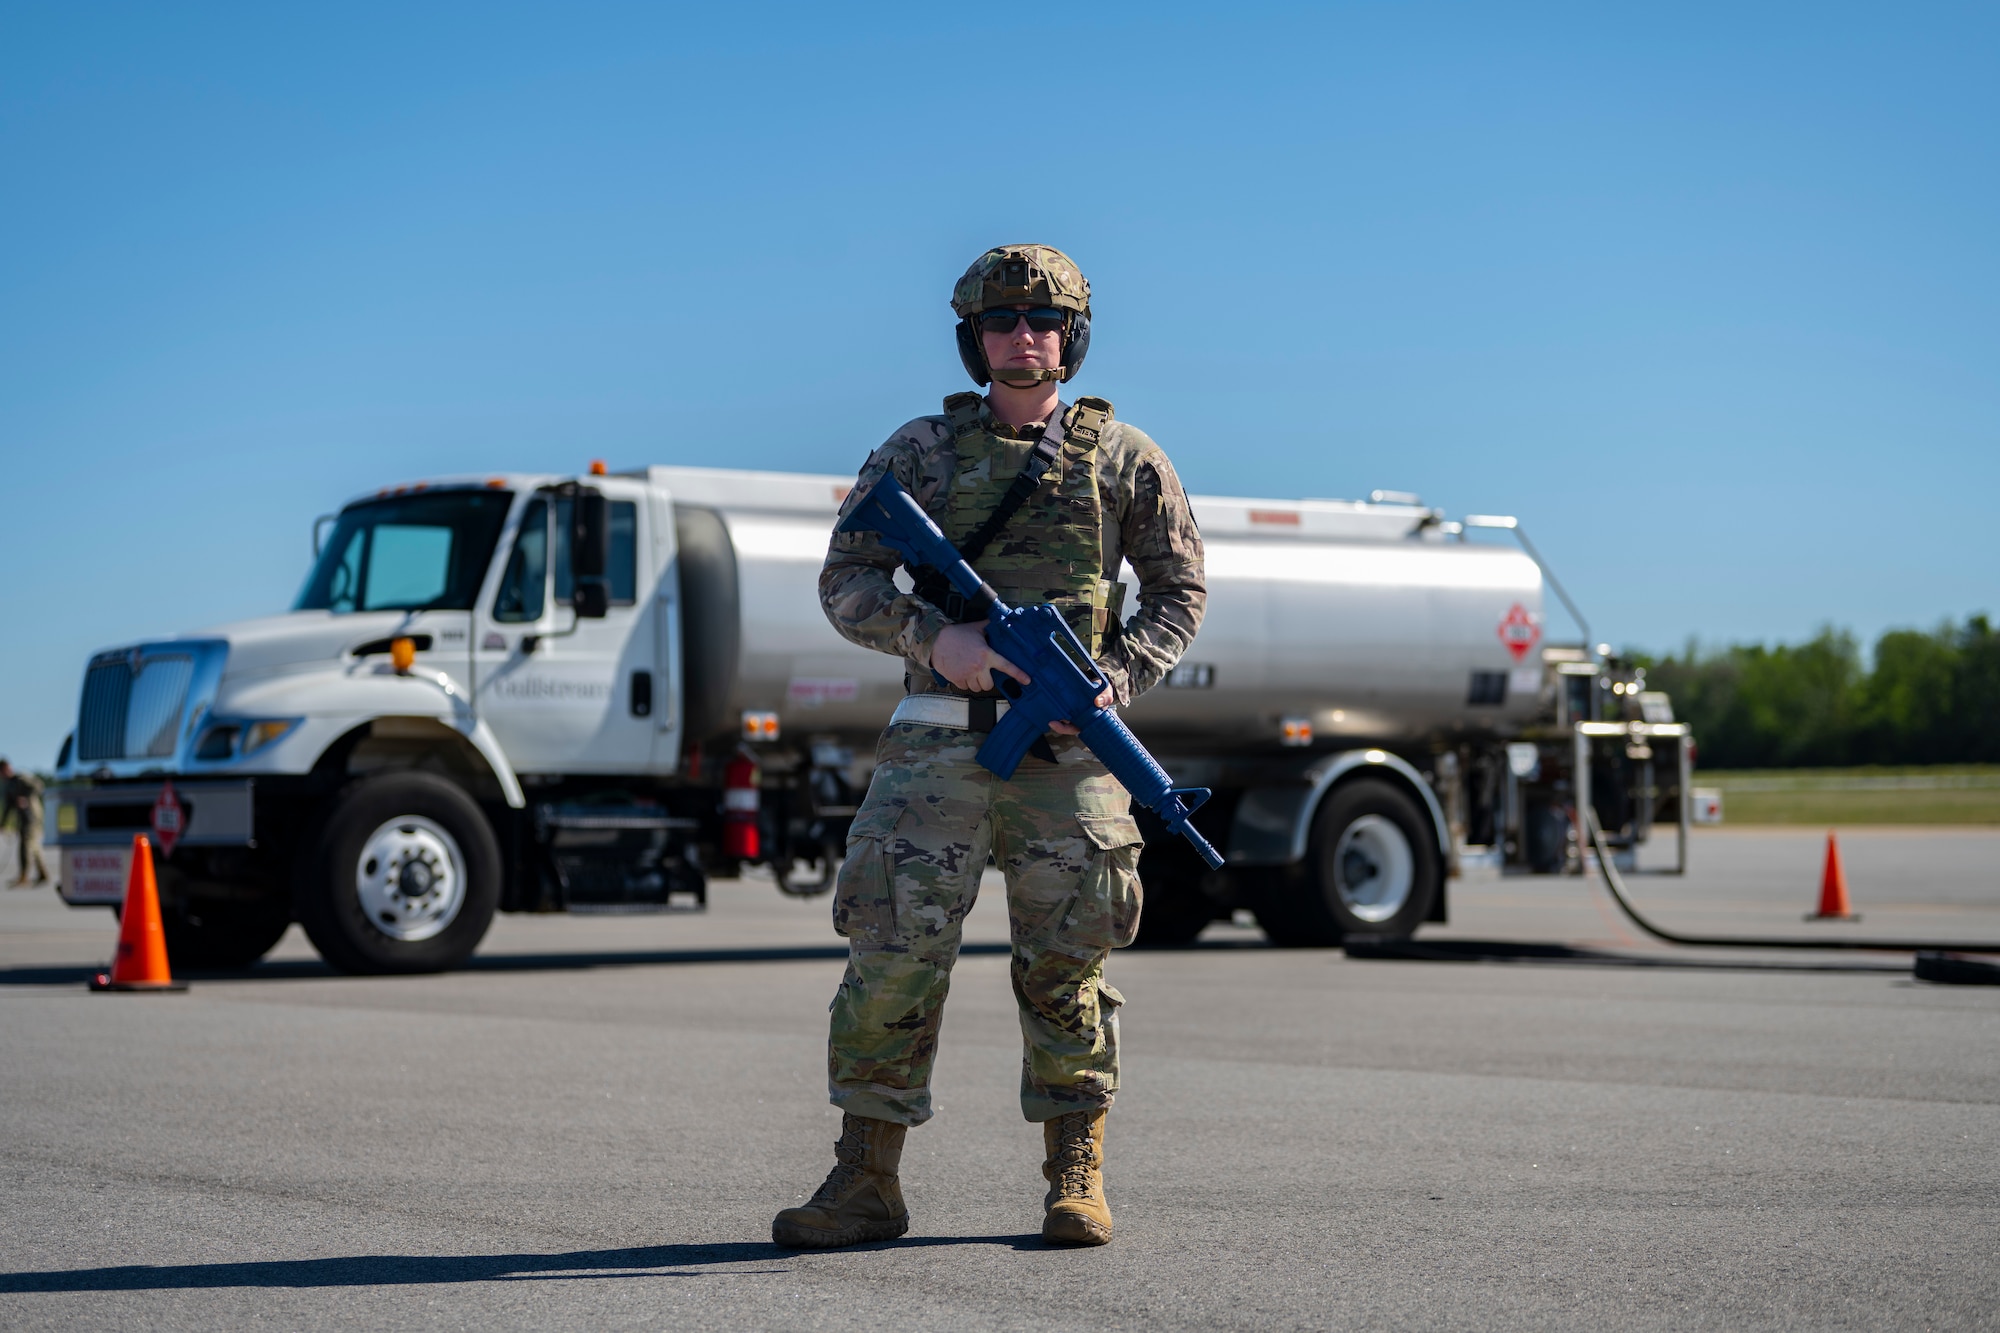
(28, 849)
(1063, 836)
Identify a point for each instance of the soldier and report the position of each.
(24, 804)
(1044, 499)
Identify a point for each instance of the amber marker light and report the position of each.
(596, 467)
(403, 654)
(260, 734)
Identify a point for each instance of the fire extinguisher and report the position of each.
(740, 802)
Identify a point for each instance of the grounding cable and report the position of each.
(1616, 884)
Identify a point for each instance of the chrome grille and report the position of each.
(132, 707)
(153, 713)
(100, 731)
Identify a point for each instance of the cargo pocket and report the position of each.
(1105, 914)
(864, 899)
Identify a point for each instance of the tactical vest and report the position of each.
(1052, 548)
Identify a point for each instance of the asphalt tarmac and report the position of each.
(1559, 1125)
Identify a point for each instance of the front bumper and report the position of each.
(89, 822)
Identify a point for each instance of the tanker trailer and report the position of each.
(601, 692)
(1370, 698)
(1372, 701)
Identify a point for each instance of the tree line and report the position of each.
(1928, 698)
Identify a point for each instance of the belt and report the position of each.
(949, 710)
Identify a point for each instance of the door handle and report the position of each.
(642, 694)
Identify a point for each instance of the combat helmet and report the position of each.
(1022, 275)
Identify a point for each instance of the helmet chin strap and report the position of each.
(1024, 377)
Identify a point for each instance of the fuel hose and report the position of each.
(1616, 884)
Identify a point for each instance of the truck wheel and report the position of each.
(785, 870)
(1371, 869)
(404, 877)
(222, 934)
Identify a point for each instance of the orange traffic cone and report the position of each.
(1833, 888)
(141, 963)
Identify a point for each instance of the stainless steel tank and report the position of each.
(764, 644)
(1367, 621)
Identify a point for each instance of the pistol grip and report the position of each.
(1013, 735)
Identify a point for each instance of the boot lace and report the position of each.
(848, 1151)
(1076, 1157)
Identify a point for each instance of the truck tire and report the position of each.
(222, 934)
(404, 877)
(1372, 869)
(791, 883)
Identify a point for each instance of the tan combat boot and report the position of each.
(1078, 1214)
(861, 1199)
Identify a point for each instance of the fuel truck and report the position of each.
(605, 692)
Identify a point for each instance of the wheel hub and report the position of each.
(416, 880)
(1374, 868)
(410, 878)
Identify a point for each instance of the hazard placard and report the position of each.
(1520, 629)
(169, 820)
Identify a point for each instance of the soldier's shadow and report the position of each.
(1027, 1241)
(399, 1270)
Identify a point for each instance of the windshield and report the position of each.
(410, 553)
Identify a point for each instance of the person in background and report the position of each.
(23, 796)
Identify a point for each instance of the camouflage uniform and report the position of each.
(1062, 833)
(24, 802)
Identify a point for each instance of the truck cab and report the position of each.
(484, 698)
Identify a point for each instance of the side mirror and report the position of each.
(589, 546)
(589, 536)
(589, 541)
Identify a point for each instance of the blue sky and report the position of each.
(1707, 295)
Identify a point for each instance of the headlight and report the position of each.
(260, 734)
(217, 742)
(235, 740)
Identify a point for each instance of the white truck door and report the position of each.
(565, 694)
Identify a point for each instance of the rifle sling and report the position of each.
(1026, 483)
(933, 587)
(931, 584)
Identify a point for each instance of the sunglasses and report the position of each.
(1042, 319)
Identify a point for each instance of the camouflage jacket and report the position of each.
(1144, 520)
(21, 801)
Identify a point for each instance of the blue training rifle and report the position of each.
(1063, 681)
